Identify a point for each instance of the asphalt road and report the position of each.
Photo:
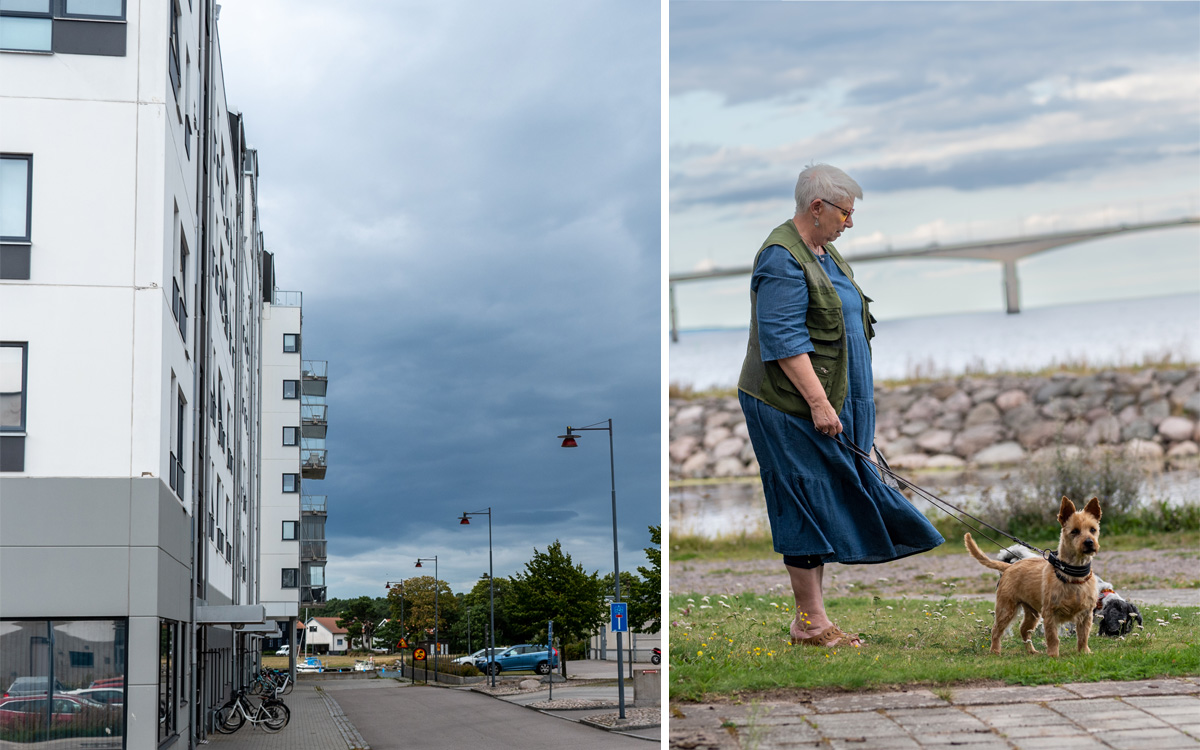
(392, 716)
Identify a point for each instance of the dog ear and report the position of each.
(1093, 508)
(1065, 511)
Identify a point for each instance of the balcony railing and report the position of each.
(312, 549)
(287, 299)
(177, 476)
(312, 595)
(312, 462)
(314, 369)
(314, 413)
(312, 503)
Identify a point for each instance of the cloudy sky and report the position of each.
(961, 120)
(468, 195)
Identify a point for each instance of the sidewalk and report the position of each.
(1122, 715)
(317, 723)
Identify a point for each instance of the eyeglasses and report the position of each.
(845, 214)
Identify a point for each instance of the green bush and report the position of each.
(575, 651)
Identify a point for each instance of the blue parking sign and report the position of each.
(619, 613)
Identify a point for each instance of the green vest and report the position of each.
(766, 381)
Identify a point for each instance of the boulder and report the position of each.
(1037, 434)
(688, 416)
(740, 429)
(912, 429)
(985, 393)
(1171, 377)
(1051, 390)
(715, 435)
(935, 441)
(944, 390)
(1192, 405)
(747, 454)
(1063, 407)
(1011, 399)
(695, 466)
(1021, 416)
(982, 413)
(909, 461)
(925, 409)
(951, 420)
(1183, 450)
(1176, 429)
(1000, 454)
(945, 461)
(529, 684)
(1074, 431)
(1144, 449)
(729, 466)
(730, 446)
(1106, 429)
(957, 402)
(683, 447)
(899, 447)
(1138, 429)
(1156, 410)
(974, 439)
(1055, 453)
(1181, 392)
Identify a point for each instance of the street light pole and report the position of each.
(491, 586)
(436, 586)
(569, 442)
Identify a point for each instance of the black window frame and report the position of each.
(27, 238)
(295, 394)
(24, 347)
(295, 537)
(295, 437)
(48, 15)
(295, 486)
(295, 344)
(283, 578)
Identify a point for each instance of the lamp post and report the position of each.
(435, 612)
(466, 521)
(568, 441)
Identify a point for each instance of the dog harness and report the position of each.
(1062, 569)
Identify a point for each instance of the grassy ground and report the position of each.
(758, 546)
(734, 645)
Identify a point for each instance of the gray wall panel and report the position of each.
(64, 512)
(66, 582)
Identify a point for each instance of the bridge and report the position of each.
(1006, 251)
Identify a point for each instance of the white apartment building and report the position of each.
(148, 479)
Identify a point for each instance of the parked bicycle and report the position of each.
(272, 682)
(271, 714)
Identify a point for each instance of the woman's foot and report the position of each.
(830, 636)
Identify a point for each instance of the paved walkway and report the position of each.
(1112, 715)
(319, 723)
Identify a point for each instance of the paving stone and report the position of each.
(700, 716)
(874, 743)
(980, 696)
(1018, 715)
(1191, 728)
(971, 740)
(1063, 743)
(1169, 708)
(940, 719)
(1140, 739)
(780, 720)
(1127, 689)
(876, 701)
(1100, 723)
(771, 743)
(868, 724)
(1089, 706)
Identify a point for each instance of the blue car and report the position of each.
(527, 656)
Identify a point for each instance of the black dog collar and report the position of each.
(1062, 569)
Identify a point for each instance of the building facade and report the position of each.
(151, 452)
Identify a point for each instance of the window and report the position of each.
(291, 531)
(82, 659)
(291, 436)
(290, 578)
(291, 389)
(16, 185)
(26, 25)
(169, 651)
(291, 342)
(110, 10)
(13, 374)
(173, 49)
(291, 482)
(176, 468)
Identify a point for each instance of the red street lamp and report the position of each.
(569, 442)
(466, 521)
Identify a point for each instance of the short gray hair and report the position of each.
(819, 181)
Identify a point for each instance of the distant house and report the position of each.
(325, 637)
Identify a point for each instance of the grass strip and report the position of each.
(730, 645)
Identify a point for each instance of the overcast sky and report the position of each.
(961, 120)
(467, 194)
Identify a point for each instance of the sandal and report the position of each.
(827, 638)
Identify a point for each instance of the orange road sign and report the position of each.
(419, 654)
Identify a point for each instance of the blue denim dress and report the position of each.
(823, 500)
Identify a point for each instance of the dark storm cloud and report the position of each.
(472, 211)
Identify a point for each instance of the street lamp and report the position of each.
(435, 612)
(466, 521)
(568, 441)
(400, 585)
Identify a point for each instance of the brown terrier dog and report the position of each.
(1046, 592)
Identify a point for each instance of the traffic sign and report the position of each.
(619, 613)
(402, 643)
(418, 654)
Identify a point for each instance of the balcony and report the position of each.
(312, 595)
(312, 550)
(314, 379)
(312, 503)
(287, 299)
(312, 458)
(314, 420)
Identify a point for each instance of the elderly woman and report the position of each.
(806, 380)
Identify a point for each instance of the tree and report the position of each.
(645, 593)
(418, 595)
(552, 588)
(359, 619)
(476, 602)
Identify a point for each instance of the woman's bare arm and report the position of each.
(800, 371)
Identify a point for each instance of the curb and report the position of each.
(354, 740)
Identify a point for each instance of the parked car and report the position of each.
(32, 686)
(480, 654)
(104, 696)
(16, 710)
(516, 658)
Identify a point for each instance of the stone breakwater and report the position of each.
(979, 421)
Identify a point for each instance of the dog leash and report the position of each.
(1050, 556)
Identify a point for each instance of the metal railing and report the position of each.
(287, 299)
(312, 458)
(312, 368)
(312, 549)
(314, 413)
(312, 503)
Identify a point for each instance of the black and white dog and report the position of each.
(1115, 616)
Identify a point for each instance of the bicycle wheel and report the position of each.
(229, 719)
(275, 716)
(287, 685)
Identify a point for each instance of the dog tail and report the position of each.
(982, 558)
